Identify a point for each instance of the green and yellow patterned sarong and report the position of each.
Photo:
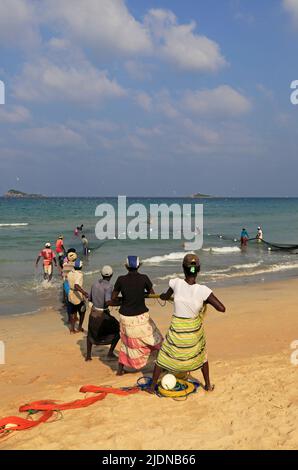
(184, 348)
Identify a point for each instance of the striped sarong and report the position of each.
(184, 348)
(139, 337)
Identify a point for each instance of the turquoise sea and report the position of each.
(22, 289)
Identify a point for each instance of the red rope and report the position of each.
(48, 407)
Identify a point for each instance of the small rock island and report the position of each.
(14, 194)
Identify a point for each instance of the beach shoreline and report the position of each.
(254, 405)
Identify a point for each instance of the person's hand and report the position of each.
(163, 296)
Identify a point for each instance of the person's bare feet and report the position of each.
(73, 332)
(88, 358)
(209, 388)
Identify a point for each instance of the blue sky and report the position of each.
(141, 97)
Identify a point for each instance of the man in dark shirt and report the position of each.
(139, 334)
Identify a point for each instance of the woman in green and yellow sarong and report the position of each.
(184, 348)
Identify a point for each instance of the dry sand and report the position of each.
(254, 405)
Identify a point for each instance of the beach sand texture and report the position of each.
(254, 405)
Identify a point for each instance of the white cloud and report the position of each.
(180, 45)
(18, 23)
(103, 24)
(144, 101)
(14, 114)
(291, 6)
(138, 70)
(221, 101)
(82, 83)
(52, 137)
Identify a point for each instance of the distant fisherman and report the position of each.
(85, 245)
(244, 237)
(259, 235)
(103, 328)
(78, 229)
(48, 256)
(60, 250)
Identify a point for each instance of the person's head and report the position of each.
(191, 265)
(106, 272)
(47, 245)
(78, 265)
(61, 237)
(71, 250)
(72, 256)
(243, 229)
(132, 263)
(259, 228)
(83, 236)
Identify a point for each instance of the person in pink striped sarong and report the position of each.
(139, 334)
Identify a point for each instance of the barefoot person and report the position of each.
(48, 258)
(139, 334)
(184, 348)
(76, 295)
(103, 328)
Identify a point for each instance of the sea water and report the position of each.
(27, 224)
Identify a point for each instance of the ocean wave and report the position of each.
(169, 257)
(14, 225)
(215, 272)
(169, 276)
(274, 268)
(223, 250)
(90, 273)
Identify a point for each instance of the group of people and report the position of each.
(244, 237)
(184, 347)
(50, 256)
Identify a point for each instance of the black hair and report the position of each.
(131, 269)
(71, 250)
(191, 271)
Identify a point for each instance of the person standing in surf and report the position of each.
(244, 237)
(184, 348)
(259, 235)
(60, 250)
(48, 256)
(139, 334)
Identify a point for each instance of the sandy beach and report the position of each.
(254, 404)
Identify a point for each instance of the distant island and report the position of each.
(13, 193)
(201, 196)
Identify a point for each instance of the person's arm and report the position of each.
(212, 300)
(37, 261)
(55, 262)
(148, 286)
(79, 289)
(167, 295)
(115, 300)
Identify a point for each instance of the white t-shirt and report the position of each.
(188, 298)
